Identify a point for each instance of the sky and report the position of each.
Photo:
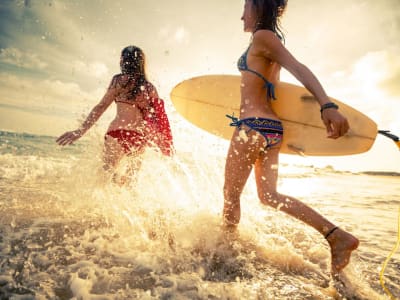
(57, 57)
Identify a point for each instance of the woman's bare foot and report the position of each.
(342, 244)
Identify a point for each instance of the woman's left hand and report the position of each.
(336, 124)
(69, 137)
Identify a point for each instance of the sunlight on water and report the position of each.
(68, 231)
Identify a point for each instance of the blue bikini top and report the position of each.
(242, 66)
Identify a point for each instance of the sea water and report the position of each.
(68, 232)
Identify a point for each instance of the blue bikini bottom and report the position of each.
(271, 130)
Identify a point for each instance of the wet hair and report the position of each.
(133, 65)
(268, 15)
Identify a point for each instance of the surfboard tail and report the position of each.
(391, 136)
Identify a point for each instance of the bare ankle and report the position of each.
(330, 232)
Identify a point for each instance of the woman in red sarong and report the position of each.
(141, 120)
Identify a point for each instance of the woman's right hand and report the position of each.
(336, 124)
(69, 137)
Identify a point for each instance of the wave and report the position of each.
(23, 143)
(24, 135)
(69, 232)
(29, 144)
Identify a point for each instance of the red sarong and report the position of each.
(156, 132)
(158, 122)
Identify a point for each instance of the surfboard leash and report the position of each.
(391, 136)
(381, 275)
(396, 140)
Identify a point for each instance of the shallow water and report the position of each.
(67, 232)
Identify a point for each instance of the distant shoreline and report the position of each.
(380, 173)
(4, 133)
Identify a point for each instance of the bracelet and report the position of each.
(328, 105)
(330, 232)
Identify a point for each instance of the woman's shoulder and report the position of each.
(264, 34)
(151, 89)
(121, 77)
(114, 80)
(118, 76)
(119, 80)
(265, 40)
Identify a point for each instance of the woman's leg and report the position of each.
(239, 162)
(113, 153)
(266, 173)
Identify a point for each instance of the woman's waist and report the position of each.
(260, 111)
(136, 124)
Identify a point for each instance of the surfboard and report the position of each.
(206, 100)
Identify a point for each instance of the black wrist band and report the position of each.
(328, 105)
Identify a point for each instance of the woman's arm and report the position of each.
(267, 44)
(71, 136)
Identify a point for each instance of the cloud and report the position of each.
(392, 85)
(181, 34)
(370, 86)
(47, 96)
(174, 34)
(96, 69)
(23, 59)
(379, 71)
(76, 44)
(334, 38)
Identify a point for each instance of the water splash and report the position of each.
(68, 231)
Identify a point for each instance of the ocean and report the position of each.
(68, 232)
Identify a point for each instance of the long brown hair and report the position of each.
(133, 65)
(268, 15)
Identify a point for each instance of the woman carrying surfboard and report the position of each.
(141, 120)
(257, 140)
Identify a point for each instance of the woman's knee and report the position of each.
(232, 194)
(270, 198)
